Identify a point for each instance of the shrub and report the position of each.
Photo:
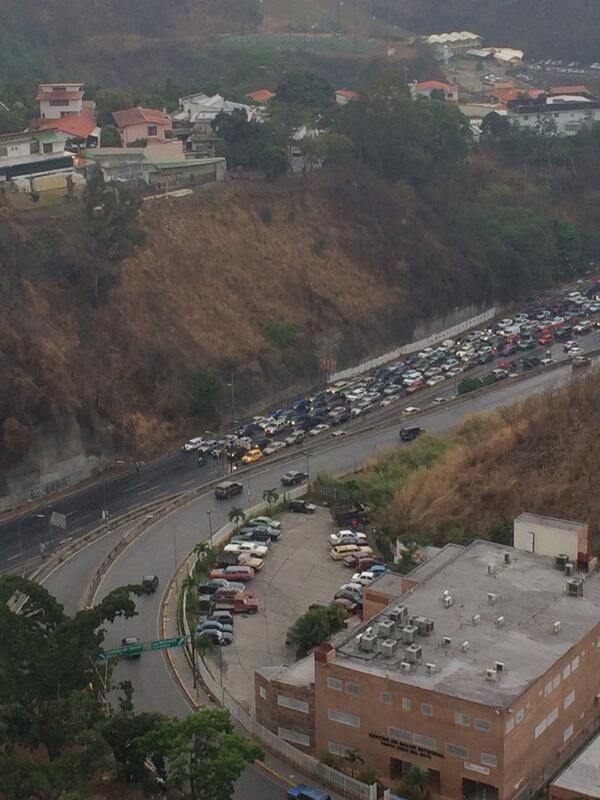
(205, 388)
(266, 215)
(367, 775)
(283, 334)
(319, 246)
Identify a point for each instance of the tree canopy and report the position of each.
(304, 89)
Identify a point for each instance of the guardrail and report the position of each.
(307, 763)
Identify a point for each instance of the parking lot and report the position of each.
(297, 572)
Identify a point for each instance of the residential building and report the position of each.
(260, 96)
(563, 115)
(162, 166)
(503, 55)
(202, 108)
(581, 779)
(137, 124)
(449, 91)
(79, 129)
(344, 96)
(285, 698)
(33, 153)
(578, 89)
(446, 45)
(482, 669)
(59, 99)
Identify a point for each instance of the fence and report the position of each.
(449, 333)
(303, 761)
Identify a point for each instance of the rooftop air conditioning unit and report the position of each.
(385, 628)
(491, 675)
(575, 587)
(492, 598)
(561, 561)
(476, 619)
(499, 666)
(413, 653)
(409, 634)
(425, 626)
(446, 641)
(569, 570)
(448, 600)
(399, 614)
(499, 622)
(388, 647)
(416, 620)
(430, 668)
(405, 666)
(464, 646)
(445, 593)
(368, 642)
(491, 569)
(507, 558)
(556, 626)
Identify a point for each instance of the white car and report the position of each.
(347, 537)
(411, 410)
(364, 578)
(437, 401)
(545, 362)
(337, 434)
(273, 448)
(351, 587)
(575, 351)
(193, 444)
(318, 429)
(389, 399)
(254, 548)
(505, 323)
(435, 379)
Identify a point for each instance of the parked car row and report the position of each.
(510, 342)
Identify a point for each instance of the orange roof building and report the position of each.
(260, 96)
(139, 123)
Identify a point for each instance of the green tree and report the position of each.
(110, 137)
(120, 731)
(273, 161)
(204, 753)
(243, 140)
(271, 496)
(304, 89)
(315, 626)
(415, 785)
(495, 126)
(569, 248)
(205, 389)
(236, 515)
(109, 100)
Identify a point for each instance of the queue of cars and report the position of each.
(350, 546)
(506, 347)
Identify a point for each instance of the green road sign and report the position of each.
(126, 650)
(163, 644)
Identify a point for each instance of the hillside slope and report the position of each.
(541, 456)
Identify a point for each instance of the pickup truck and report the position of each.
(242, 603)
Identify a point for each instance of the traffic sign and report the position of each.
(58, 520)
(163, 644)
(126, 650)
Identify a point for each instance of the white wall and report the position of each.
(56, 112)
(563, 119)
(545, 540)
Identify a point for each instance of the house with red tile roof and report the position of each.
(508, 93)
(579, 90)
(426, 88)
(59, 99)
(139, 123)
(343, 96)
(260, 96)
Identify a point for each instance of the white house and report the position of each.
(563, 115)
(446, 45)
(59, 99)
(425, 89)
(200, 108)
(33, 153)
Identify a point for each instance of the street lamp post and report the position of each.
(21, 521)
(210, 531)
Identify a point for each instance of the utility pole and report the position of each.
(210, 531)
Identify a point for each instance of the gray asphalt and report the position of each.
(167, 542)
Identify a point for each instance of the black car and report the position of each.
(408, 434)
(255, 534)
(302, 507)
(293, 478)
(339, 419)
(228, 489)
(485, 358)
(531, 363)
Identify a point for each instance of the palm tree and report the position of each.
(271, 496)
(201, 549)
(353, 757)
(415, 783)
(236, 515)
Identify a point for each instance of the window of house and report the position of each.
(293, 736)
(569, 699)
(334, 683)
(152, 130)
(489, 760)
(346, 719)
(262, 692)
(526, 116)
(400, 735)
(456, 750)
(48, 147)
(34, 147)
(406, 704)
(574, 663)
(568, 733)
(352, 688)
(337, 749)
(539, 729)
(510, 725)
(3, 152)
(293, 703)
(547, 688)
(462, 719)
(58, 103)
(424, 741)
(519, 716)
(566, 671)
(385, 697)
(552, 716)
(482, 724)
(427, 709)
(555, 681)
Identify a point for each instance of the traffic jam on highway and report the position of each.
(510, 347)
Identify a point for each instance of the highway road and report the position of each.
(166, 543)
(21, 537)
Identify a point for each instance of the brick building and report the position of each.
(483, 668)
(581, 779)
(284, 699)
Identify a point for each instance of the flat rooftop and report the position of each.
(530, 594)
(551, 522)
(391, 582)
(582, 776)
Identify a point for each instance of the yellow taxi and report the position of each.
(252, 455)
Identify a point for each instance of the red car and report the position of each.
(234, 573)
(350, 606)
(415, 386)
(361, 562)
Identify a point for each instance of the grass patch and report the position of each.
(283, 334)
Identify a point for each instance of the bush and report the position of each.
(266, 215)
(331, 760)
(319, 246)
(205, 388)
(368, 775)
(315, 626)
(283, 334)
